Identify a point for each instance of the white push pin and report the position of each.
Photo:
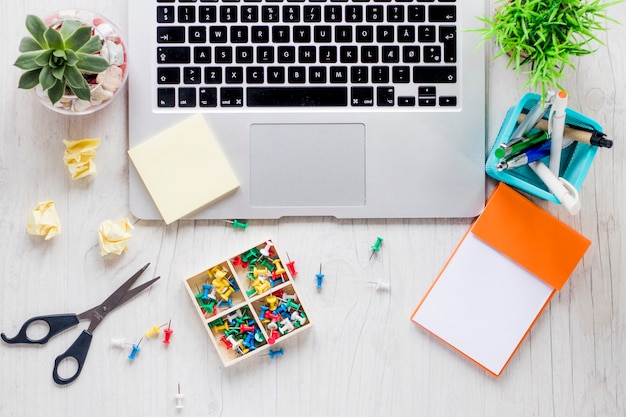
(179, 399)
(119, 343)
(380, 286)
(266, 250)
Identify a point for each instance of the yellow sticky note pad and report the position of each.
(183, 168)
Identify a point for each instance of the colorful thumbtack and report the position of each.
(118, 342)
(266, 250)
(179, 399)
(277, 352)
(291, 266)
(155, 330)
(319, 277)
(376, 246)
(135, 350)
(237, 224)
(380, 286)
(168, 333)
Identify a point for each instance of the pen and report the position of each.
(519, 147)
(590, 137)
(534, 115)
(531, 155)
(557, 124)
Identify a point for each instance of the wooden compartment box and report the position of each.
(248, 303)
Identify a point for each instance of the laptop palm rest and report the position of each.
(300, 165)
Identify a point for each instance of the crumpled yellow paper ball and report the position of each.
(79, 155)
(44, 221)
(113, 236)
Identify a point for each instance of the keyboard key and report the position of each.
(264, 54)
(213, 75)
(343, 34)
(416, 13)
(401, 74)
(286, 54)
(385, 96)
(307, 54)
(380, 74)
(359, 75)
(406, 101)
(174, 55)
(411, 54)
(208, 14)
(186, 14)
(362, 96)
(233, 75)
(269, 14)
(187, 97)
(328, 54)
(365, 33)
(280, 34)
(165, 14)
(228, 14)
(432, 54)
(390, 54)
(260, 34)
(231, 97)
(333, 13)
(369, 54)
(171, 34)
(223, 55)
(354, 14)
(395, 13)
(218, 34)
(239, 34)
(296, 96)
(374, 13)
(276, 75)
(447, 36)
(426, 33)
(442, 13)
(322, 34)
(312, 14)
(243, 55)
(192, 75)
(202, 55)
(197, 34)
(207, 97)
(317, 75)
(434, 74)
(255, 75)
(168, 75)
(338, 75)
(166, 97)
(296, 75)
(445, 101)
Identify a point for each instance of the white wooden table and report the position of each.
(363, 356)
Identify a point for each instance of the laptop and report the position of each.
(350, 108)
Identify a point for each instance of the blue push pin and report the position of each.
(274, 353)
(319, 277)
(135, 350)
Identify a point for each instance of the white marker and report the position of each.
(560, 187)
(557, 124)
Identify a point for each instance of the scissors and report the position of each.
(58, 323)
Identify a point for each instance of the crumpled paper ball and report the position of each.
(79, 155)
(113, 236)
(44, 221)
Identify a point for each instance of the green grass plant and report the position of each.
(544, 35)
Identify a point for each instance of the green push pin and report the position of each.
(237, 224)
(376, 246)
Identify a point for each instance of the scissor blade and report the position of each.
(118, 295)
(131, 293)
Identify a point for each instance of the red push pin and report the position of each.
(168, 333)
(291, 265)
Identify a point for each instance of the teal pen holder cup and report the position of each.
(576, 159)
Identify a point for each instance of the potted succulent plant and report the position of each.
(75, 61)
(544, 35)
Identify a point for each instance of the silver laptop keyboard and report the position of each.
(306, 53)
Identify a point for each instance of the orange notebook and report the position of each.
(499, 279)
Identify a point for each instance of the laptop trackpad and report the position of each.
(307, 165)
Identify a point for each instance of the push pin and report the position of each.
(168, 333)
(266, 250)
(376, 246)
(319, 277)
(291, 265)
(277, 352)
(155, 330)
(380, 286)
(135, 350)
(179, 399)
(237, 224)
(118, 342)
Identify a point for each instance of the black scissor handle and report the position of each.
(77, 351)
(56, 324)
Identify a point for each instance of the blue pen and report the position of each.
(531, 155)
